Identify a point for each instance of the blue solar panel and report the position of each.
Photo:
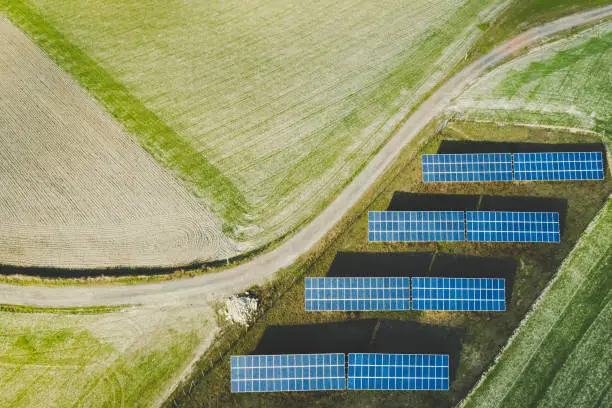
(328, 294)
(467, 167)
(397, 371)
(463, 294)
(288, 372)
(500, 226)
(407, 226)
(558, 166)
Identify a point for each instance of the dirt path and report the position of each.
(263, 267)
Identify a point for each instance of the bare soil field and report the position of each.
(75, 190)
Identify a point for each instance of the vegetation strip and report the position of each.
(63, 310)
(543, 350)
(161, 141)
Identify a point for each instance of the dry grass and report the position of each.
(76, 190)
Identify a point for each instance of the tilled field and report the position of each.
(75, 190)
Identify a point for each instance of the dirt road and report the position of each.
(208, 287)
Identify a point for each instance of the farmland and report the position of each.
(265, 112)
(77, 191)
(472, 339)
(561, 355)
(565, 83)
(122, 358)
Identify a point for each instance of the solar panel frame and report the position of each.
(378, 371)
(288, 372)
(462, 168)
(416, 226)
(558, 166)
(459, 294)
(511, 226)
(357, 294)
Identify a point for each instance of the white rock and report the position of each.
(240, 309)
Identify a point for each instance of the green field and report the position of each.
(264, 111)
(482, 335)
(98, 359)
(561, 356)
(566, 83)
(524, 14)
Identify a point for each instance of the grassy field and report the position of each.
(561, 356)
(77, 191)
(265, 111)
(563, 83)
(472, 339)
(106, 359)
(524, 14)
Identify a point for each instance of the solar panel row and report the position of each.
(402, 226)
(289, 372)
(478, 226)
(467, 167)
(366, 371)
(495, 226)
(357, 294)
(549, 166)
(558, 166)
(460, 294)
(363, 294)
(375, 371)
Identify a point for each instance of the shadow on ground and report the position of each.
(363, 336)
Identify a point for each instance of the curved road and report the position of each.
(211, 286)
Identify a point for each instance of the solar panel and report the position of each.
(463, 294)
(397, 371)
(466, 167)
(558, 166)
(503, 226)
(409, 226)
(328, 294)
(288, 372)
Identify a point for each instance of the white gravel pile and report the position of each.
(240, 309)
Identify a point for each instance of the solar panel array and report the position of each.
(548, 166)
(410, 226)
(460, 294)
(288, 372)
(479, 226)
(329, 294)
(467, 167)
(558, 166)
(504, 226)
(369, 371)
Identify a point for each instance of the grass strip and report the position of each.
(62, 310)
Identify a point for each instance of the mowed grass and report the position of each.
(564, 83)
(561, 356)
(265, 110)
(481, 335)
(116, 359)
